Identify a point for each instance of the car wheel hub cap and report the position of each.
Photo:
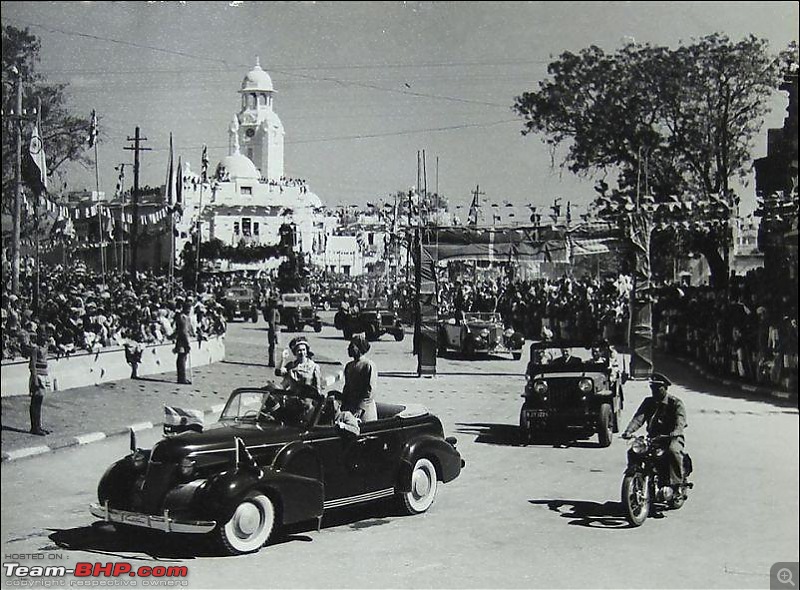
(247, 519)
(421, 484)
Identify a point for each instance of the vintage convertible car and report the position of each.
(372, 317)
(480, 333)
(276, 458)
(572, 395)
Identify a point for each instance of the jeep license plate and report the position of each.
(536, 413)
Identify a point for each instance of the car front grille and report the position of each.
(160, 478)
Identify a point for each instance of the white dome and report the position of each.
(257, 80)
(238, 166)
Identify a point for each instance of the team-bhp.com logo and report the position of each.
(89, 574)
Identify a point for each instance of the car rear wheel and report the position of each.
(604, 434)
(423, 488)
(250, 525)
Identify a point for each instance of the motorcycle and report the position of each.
(645, 485)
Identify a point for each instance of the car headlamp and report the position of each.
(187, 466)
(585, 385)
(484, 333)
(540, 387)
(509, 332)
(639, 446)
(139, 459)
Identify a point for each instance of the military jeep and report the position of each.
(297, 312)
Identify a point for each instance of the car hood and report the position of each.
(220, 438)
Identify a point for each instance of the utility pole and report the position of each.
(15, 236)
(136, 139)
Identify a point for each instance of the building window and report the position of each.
(236, 228)
(246, 190)
(250, 154)
(245, 226)
(255, 228)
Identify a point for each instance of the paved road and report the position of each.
(518, 517)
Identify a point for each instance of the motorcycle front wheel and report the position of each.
(636, 498)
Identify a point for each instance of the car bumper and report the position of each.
(160, 522)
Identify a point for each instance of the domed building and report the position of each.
(248, 197)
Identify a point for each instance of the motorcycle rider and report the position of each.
(665, 415)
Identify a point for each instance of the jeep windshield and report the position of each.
(297, 299)
(238, 293)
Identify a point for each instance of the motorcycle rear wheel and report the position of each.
(636, 498)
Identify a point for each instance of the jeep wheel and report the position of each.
(318, 327)
(250, 525)
(326, 306)
(347, 333)
(604, 434)
(399, 335)
(516, 355)
(370, 333)
(423, 488)
(338, 320)
(525, 428)
(254, 317)
(291, 326)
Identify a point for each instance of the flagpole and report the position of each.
(36, 209)
(100, 217)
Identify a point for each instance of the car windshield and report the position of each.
(238, 293)
(297, 298)
(542, 358)
(483, 316)
(268, 406)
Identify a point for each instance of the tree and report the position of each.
(666, 122)
(64, 135)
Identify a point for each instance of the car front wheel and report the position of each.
(250, 525)
(423, 488)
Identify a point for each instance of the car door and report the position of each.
(340, 454)
(377, 451)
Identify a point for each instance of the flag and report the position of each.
(35, 166)
(204, 160)
(177, 420)
(179, 184)
(92, 139)
(243, 458)
(169, 187)
(120, 179)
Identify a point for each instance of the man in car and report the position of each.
(566, 359)
(360, 380)
(665, 416)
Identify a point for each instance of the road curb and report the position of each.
(749, 388)
(91, 437)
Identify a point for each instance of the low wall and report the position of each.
(80, 370)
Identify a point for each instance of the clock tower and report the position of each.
(260, 131)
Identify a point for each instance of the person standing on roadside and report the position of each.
(39, 381)
(273, 317)
(183, 347)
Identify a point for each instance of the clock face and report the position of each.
(250, 132)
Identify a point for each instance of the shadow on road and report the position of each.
(608, 515)
(492, 434)
(104, 539)
(153, 380)
(452, 355)
(14, 429)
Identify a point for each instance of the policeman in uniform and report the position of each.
(664, 415)
(273, 317)
(39, 381)
(183, 347)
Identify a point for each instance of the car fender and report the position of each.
(297, 498)
(118, 481)
(446, 458)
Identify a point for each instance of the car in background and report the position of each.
(372, 317)
(335, 297)
(572, 399)
(297, 312)
(240, 302)
(480, 333)
(274, 459)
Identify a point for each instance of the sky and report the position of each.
(361, 87)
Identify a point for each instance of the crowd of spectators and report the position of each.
(85, 312)
(748, 332)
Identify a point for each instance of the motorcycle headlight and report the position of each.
(187, 466)
(139, 460)
(639, 446)
(540, 387)
(585, 385)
